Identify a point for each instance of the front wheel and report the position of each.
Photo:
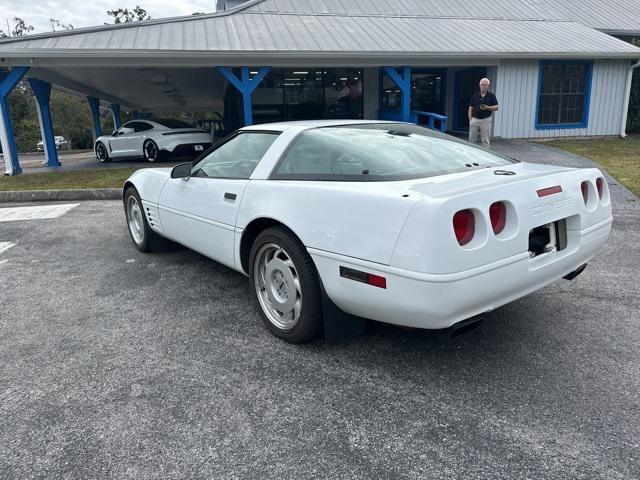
(101, 153)
(285, 286)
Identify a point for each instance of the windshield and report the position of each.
(172, 123)
(380, 152)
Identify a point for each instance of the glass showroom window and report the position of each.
(427, 91)
(308, 93)
(563, 95)
(390, 95)
(343, 93)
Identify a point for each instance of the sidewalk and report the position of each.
(78, 160)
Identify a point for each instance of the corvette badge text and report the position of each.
(553, 207)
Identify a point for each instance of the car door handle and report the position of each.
(230, 196)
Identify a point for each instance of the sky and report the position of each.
(86, 13)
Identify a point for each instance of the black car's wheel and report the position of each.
(101, 153)
(285, 286)
(139, 229)
(151, 151)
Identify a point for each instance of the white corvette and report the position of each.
(387, 221)
(152, 140)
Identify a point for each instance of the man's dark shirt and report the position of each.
(489, 99)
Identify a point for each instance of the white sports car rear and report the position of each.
(387, 221)
(152, 140)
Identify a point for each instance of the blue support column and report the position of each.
(42, 91)
(117, 119)
(403, 81)
(246, 85)
(94, 103)
(9, 148)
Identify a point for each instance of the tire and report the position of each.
(284, 284)
(102, 154)
(139, 230)
(151, 151)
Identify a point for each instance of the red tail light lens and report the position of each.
(600, 186)
(464, 225)
(498, 215)
(584, 186)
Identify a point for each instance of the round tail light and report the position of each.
(584, 186)
(498, 216)
(464, 226)
(600, 186)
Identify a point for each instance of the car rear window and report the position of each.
(379, 152)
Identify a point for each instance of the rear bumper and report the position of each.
(437, 301)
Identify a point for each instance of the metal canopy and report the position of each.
(127, 64)
(143, 88)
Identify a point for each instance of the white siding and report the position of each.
(517, 92)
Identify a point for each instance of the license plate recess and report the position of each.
(547, 238)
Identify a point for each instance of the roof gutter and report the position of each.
(627, 95)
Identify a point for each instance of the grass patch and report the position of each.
(621, 158)
(103, 178)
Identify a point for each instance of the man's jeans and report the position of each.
(484, 127)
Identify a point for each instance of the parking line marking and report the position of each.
(13, 214)
(4, 246)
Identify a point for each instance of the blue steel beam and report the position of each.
(42, 91)
(8, 81)
(117, 119)
(94, 104)
(246, 85)
(403, 81)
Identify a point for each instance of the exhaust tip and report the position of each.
(464, 326)
(576, 272)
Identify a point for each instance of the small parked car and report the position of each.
(388, 221)
(60, 141)
(153, 140)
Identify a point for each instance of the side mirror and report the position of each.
(114, 133)
(183, 170)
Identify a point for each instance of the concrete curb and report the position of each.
(61, 195)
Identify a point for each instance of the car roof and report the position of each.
(306, 124)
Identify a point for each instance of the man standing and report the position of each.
(481, 106)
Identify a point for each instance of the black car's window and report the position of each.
(237, 157)
(379, 152)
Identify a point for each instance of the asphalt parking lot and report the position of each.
(118, 364)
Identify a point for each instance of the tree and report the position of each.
(20, 28)
(124, 15)
(61, 26)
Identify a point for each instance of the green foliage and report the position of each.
(71, 118)
(124, 15)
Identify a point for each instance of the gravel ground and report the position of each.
(117, 364)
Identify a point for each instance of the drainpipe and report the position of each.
(625, 105)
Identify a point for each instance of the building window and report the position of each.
(563, 94)
(427, 91)
(308, 93)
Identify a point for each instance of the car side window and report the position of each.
(237, 157)
(142, 127)
(139, 126)
(309, 156)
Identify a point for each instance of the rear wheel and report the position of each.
(285, 286)
(151, 151)
(101, 153)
